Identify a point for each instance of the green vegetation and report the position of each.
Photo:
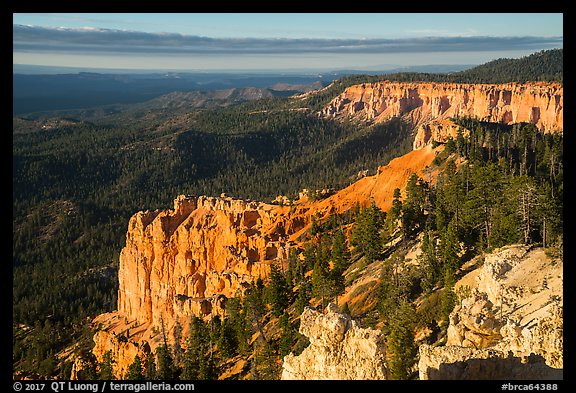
(546, 65)
(75, 186)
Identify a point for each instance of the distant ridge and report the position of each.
(545, 66)
(541, 66)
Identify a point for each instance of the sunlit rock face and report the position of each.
(339, 349)
(420, 102)
(181, 262)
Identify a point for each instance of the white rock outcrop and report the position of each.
(510, 323)
(339, 349)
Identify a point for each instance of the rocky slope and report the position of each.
(537, 103)
(339, 349)
(508, 324)
(188, 260)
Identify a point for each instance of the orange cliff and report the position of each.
(188, 260)
(420, 102)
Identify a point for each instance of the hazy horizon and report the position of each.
(282, 42)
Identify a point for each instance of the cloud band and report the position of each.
(95, 40)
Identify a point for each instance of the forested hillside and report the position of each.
(77, 180)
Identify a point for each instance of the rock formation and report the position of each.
(420, 102)
(180, 262)
(463, 363)
(188, 260)
(339, 349)
(439, 131)
(508, 325)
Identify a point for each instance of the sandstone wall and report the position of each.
(183, 261)
(420, 102)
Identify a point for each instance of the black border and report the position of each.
(337, 7)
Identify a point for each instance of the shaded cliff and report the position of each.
(537, 103)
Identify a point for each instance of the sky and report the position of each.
(278, 41)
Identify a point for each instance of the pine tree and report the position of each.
(264, 362)
(402, 349)
(346, 309)
(484, 199)
(372, 240)
(413, 207)
(236, 318)
(277, 291)
(454, 194)
(321, 285)
(389, 291)
(340, 257)
(107, 366)
(198, 362)
(135, 370)
(165, 370)
(227, 339)
(177, 346)
(286, 336)
(429, 262)
(303, 296)
(450, 247)
(448, 297)
(525, 191)
(151, 373)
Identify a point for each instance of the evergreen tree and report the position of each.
(227, 339)
(277, 291)
(304, 295)
(413, 207)
(107, 366)
(395, 212)
(402, 349)
(166, 370)
(484, 199)
(450, 247)
(286, 335)
(236, 318)
(447, 297)
(372, 240)
(265, 363)
(198, 362)
(389, 291)
(135, 370)
(314, 227)
(525, 194)
(454, 194)
(321, 283)
(340, 257)
(429, 262)
(177, 346)
(345, 309)
(151, 373)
